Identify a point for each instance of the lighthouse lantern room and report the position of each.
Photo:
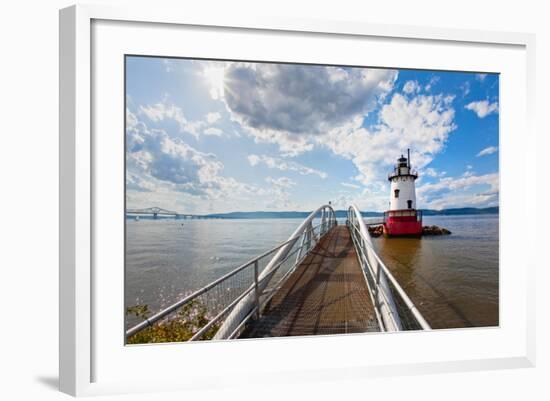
(402, 218)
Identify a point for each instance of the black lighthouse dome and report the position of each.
(403, 168)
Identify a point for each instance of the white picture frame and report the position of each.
(79, 216)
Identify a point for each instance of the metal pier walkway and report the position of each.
(326, 294)
(325, 279)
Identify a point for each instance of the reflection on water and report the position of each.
(452, 279)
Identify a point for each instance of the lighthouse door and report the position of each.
(410, 204)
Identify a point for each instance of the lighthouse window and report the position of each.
(410, 204)
(396, 192)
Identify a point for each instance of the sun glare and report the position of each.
(214, 77)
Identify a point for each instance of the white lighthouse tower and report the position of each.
(402, 218)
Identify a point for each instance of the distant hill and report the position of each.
(278, 215)
(461, 211)
(343, 213)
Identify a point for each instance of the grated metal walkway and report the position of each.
(326, 294)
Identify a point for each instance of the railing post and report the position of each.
(377, 280)
(323, 220)
(256, 290)
(302, 243)
(309, 230)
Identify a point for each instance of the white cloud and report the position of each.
(468, 190)
(376, 199)
(422, 124)
(161, 111)
(464, 200)
(167, 171)
(292, 104)
(213, 73)
(280, 190)
(483, 108)
(465, 88)
(281, 182)
(298, 109)
(213, 131)
(284, 165)
(411, 87)
(156, 157)
(433, 81)
(213, 117)
(432, 172)
(254, 160)
(342, 201)
(487, 151)
(349, 185)
(452, 183)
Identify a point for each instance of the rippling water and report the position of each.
(453, 279)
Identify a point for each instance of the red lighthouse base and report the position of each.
(400, 223)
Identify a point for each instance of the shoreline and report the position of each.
(291, 217)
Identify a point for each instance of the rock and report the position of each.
(375, 231)
(434, 230)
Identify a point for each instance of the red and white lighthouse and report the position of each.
(402, 218)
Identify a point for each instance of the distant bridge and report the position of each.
(157, 212)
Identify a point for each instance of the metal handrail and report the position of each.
(402, 294)
(307, 233)
(381, 294)
(241, 310)
(254, 287)
(386, 309)
(177, 305)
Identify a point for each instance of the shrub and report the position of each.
(180, 327)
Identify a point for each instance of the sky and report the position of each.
(207, 136)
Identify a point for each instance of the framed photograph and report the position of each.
(335, 198)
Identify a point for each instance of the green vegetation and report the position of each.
(180, 327)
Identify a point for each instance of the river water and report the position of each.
(452, 279)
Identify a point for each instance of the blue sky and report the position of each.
(209, 136)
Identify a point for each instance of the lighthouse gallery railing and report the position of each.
(230, 301)
(394, 309)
